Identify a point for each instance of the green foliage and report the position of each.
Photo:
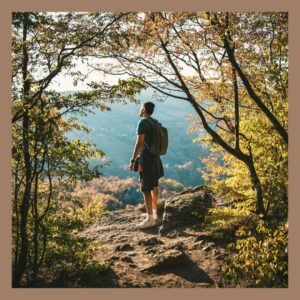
(44, 159)
(69, 256)
(229, 217)
(261, 259)
(229, 178)
(91, 211)
(57, 162)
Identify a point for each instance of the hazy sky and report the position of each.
(64, 81)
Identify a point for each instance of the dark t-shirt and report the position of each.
(145, 127)
(152, 168)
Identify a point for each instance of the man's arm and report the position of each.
(137, 149)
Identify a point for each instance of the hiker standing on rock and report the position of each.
(151, 142)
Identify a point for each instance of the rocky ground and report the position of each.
(179, 253)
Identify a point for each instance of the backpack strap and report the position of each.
(152, 123)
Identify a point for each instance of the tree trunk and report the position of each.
(277, 126)
(16, 210)
(22, 260)
(236, 111)
(36, 227)
(258, 189)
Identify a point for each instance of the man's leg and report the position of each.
(149, 222)
(155, 194)
(148, 202)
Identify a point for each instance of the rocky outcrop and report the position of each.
(184, 257)
(186, 208)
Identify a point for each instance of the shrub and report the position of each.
(69, 255)
(261, 258)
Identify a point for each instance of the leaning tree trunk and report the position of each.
(272, 118)
(236, 152)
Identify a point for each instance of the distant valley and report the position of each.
(114, 132)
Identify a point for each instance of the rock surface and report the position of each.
(185, 257)
(186, 208)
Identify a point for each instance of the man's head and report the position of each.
(147, 109)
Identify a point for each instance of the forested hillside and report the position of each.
(117, 193)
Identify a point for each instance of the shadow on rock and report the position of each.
(187, 270)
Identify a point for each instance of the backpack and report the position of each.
(159, 138)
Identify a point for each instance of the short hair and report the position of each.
(149, 107)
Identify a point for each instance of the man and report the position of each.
(150, 166)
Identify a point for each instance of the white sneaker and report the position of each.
(145, 215)
(147, 224)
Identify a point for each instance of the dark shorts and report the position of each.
(152, 171)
